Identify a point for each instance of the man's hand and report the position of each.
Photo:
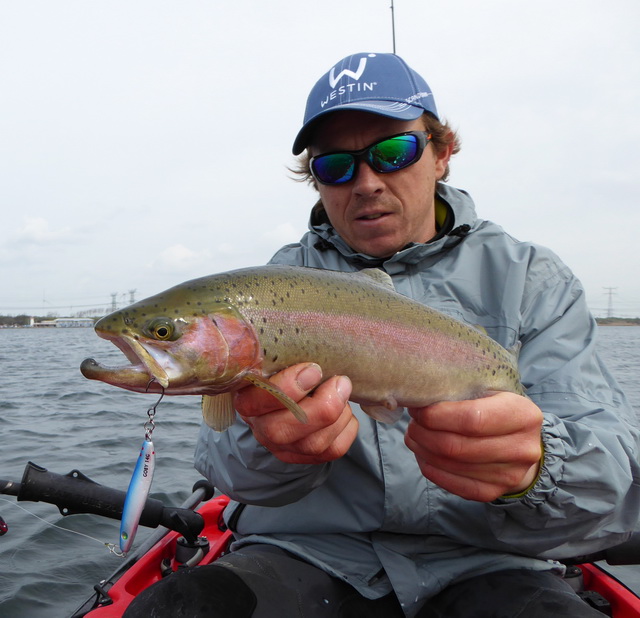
(331, 429)
(480, 449)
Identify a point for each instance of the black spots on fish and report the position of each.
(274, 358)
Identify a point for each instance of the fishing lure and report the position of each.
(140, 483)
(137, 493)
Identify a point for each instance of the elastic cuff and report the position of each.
(535, 480)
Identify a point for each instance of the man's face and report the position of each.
(378, 214)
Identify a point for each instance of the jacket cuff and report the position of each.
(524, 492)
(551, 465)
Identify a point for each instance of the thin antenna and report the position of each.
(393, 26)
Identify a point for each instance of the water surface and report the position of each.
(51, 415)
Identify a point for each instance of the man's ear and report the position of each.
(443, 155)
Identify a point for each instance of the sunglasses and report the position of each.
(388, 155)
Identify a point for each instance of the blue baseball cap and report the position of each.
(382, 84)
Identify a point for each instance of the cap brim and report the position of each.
(390, 109)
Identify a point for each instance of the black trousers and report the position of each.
(261, 581)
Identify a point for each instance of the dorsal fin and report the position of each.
(376, 275)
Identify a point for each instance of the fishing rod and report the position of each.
(393, 26)
(75, 493)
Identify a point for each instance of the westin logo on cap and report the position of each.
(351, 86)
(356, 75)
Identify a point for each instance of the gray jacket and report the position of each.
(371, 518)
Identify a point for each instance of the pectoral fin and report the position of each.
(218, 411)
(283, 398)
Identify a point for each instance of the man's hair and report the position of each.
(442, 136)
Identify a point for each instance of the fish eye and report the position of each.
(162, 329)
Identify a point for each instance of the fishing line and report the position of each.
(110, 546)
(136, 496)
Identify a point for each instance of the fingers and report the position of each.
(331, 426)
(296, 381)
(323, 445)
(500, 414)
(480, 449)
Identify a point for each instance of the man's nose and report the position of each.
(367, 180)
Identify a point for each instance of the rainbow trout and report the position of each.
(214, 335)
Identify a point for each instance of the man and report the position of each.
(460, 508)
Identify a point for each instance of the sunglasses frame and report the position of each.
(423, 139)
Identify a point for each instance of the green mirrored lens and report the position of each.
(334, 168)
(387, 155)
(393, 154)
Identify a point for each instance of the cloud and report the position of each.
(30, 244)
(282, 234)
(179, 259)
(38, 231)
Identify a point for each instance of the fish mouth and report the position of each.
(146, 367)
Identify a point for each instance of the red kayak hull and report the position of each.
(147, 570)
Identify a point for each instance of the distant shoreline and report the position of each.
(22, 321)
(618, 321)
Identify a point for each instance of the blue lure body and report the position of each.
(139, 488)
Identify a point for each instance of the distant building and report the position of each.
(64, 323)
(73, 322)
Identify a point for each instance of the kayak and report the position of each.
(114, 595)
(195, 534)
(591, 581)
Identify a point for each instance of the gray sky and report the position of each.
(145, 142)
